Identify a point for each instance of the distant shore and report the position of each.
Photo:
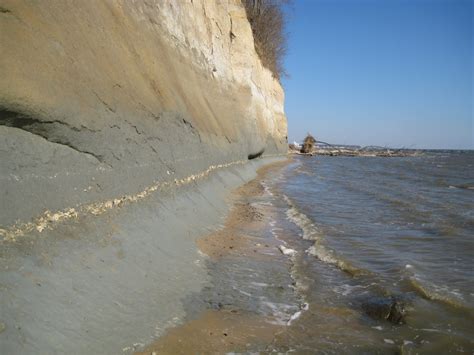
(386, 153)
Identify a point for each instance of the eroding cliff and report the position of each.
(103, 98)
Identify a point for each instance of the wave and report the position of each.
(309, 229)
(328, 256)
(318, 249)
(440, 293)
(469, 186)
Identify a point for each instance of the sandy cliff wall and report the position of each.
(104, 98)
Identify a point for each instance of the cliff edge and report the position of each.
(104, 98)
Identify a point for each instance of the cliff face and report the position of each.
(103, 98)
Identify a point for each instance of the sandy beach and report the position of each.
(228, 327)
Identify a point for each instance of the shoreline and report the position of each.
(115, 281)
(227, 326)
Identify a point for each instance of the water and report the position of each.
(372, 229)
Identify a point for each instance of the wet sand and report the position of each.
(216, 332)
(255, 301)
(226, 328)
(243, 219)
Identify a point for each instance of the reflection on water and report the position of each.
(375, 228)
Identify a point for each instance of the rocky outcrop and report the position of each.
(104, 98)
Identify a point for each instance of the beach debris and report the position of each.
(286, 251)
(308, 144)
(385, 308)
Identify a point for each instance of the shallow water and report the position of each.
(312, 248)
(368, 229)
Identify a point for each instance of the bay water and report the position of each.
(370, 232)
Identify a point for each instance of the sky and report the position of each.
(395, 73)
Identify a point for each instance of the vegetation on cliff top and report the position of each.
(267, 19)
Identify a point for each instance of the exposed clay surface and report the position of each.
(116, 280)
(103, 99)
(123, 127)
(233, 326)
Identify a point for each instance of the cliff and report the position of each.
(124, 125)
(101, 99)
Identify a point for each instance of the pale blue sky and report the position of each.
(383, 72)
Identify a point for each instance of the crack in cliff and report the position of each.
(231, 34)
(134, 127)
(41, 129)
(105, 103)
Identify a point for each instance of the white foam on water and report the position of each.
(432, 291)
(322, 254)
(298, 314)
(275, 235)
(286, 251)
(202, 255)
(346, 289)
(281, 312)
(431, 330)
(312, 232)
(266, 188)
(259, 284)
(245, 293)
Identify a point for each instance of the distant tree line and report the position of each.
(267, 19)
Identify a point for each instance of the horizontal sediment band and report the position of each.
(48, 219)
(128, 269)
